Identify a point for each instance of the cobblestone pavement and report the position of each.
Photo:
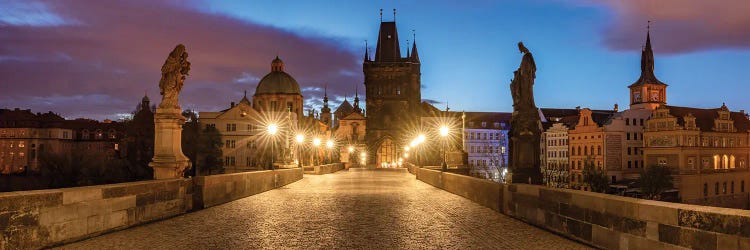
(349, 210)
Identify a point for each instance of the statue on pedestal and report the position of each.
(169, 161)
(173, 74)
(525, 125)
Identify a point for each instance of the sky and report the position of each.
(96, 59)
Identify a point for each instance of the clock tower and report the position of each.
(647, 92)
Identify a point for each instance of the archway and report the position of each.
(386, 153)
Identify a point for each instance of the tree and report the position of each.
(191, 131)
(208, 152)
(654, 181)
(139, 142)
(80, 168)
(594, 177)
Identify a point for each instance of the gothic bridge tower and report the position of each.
(393, 95)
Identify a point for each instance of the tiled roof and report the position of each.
(704, 118)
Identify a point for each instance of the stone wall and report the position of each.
(218, 189)
(486, 193)
(44, 218)
(36, 219)
(325, 169)
(607, 221)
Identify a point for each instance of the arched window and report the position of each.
(725, 162)
(716, 161)
(599, 150)
(85, 134)
(731, 161)
(585, 150)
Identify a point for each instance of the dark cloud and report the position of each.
(678, 25)
(433, 102)
(100, 57)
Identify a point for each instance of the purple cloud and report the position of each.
(64, 53)
(677, 26)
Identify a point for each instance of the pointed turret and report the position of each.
(414, 54)
(356, 101)
(325, 108)
(245, 100)
(388, 48)
(647, 92)
(647, 63)
(367, 54)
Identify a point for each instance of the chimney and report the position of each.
(231, 105)
(616, 108)
(578, 108)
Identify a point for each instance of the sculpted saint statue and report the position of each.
(522, 86)
(173, 74)
(525, 126)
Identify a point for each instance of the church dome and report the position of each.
(278, 81)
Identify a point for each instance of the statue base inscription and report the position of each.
(169, 162)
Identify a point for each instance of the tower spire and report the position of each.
(356, 100)
(325, 109)
(381, 15)
(414, 54)
(367, 54)
(407, 48)
(394, 14)
(245, 100)
(647, 58)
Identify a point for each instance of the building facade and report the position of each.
(393, 90)
(556, 164)
(244, 126)
(486, 143)
(240, 128)
(707, 151)
(27, 136)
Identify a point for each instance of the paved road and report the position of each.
(349, 209)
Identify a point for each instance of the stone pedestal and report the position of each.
(169, 161)
(523, 147)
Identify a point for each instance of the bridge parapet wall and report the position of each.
(605, 221)
(44, 218)
(37, 219)
(213, 190)
(325, 169)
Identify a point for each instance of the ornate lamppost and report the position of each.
(272, 130)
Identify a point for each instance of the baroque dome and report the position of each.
(277, 81)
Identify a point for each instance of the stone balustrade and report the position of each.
(602, 220)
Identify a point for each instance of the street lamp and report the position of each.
(414, 143)
(272, 129)
(316, 143)
(329, 145)
(444, 131)
(300, 139)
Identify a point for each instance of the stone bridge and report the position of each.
(354, 209)
(349, 209)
